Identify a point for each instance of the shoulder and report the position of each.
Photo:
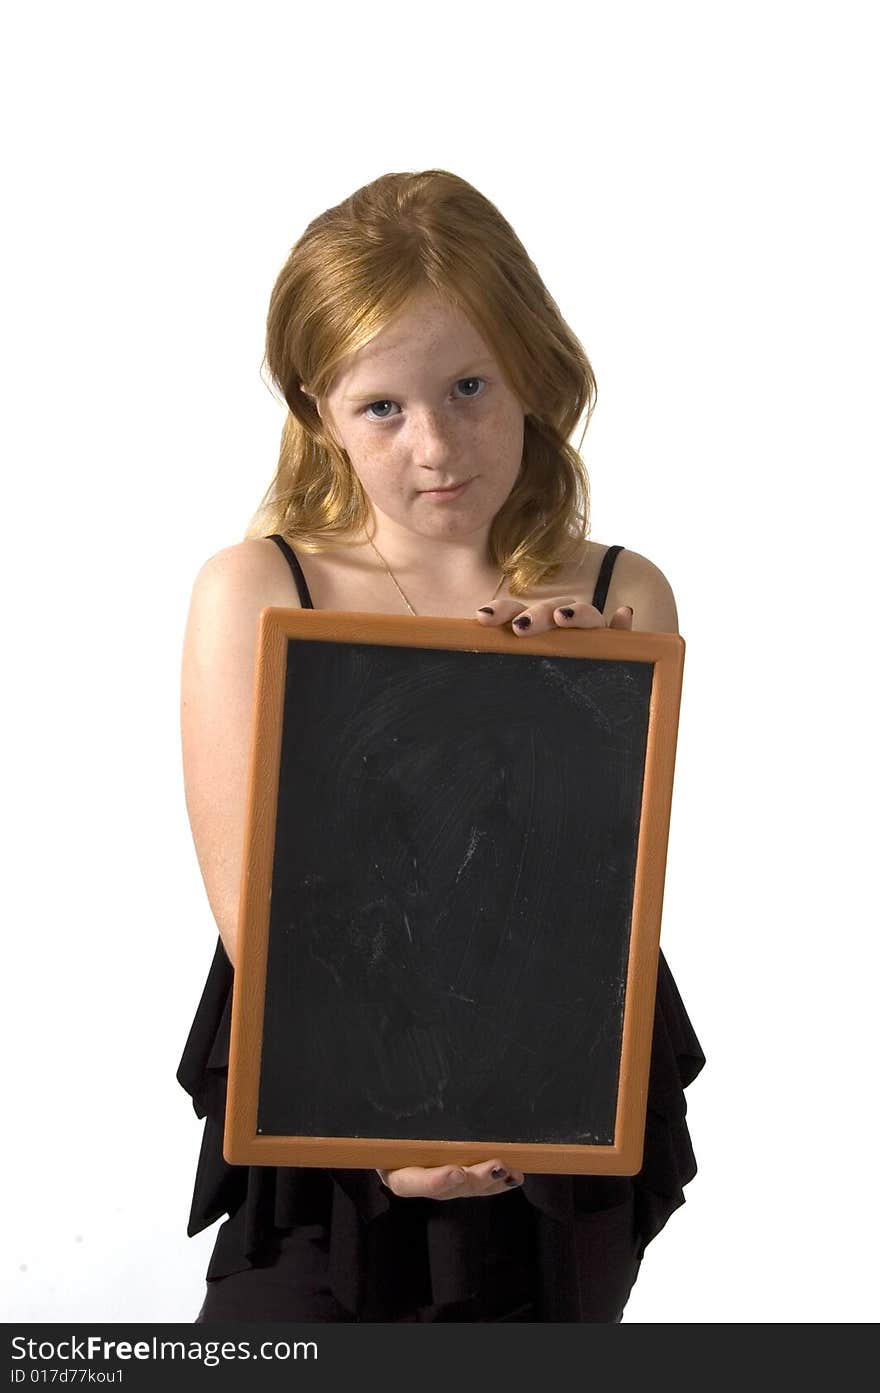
(249, 573)
(640, 583)
(229, 593)
(635, 580)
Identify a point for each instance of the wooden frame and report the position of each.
(244, 1143)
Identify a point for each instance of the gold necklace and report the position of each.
(393, 577)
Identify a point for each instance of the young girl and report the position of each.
(432, 386)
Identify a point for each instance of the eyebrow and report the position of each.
(378, 394)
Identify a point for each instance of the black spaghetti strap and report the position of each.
(600, 595)
(305, 598)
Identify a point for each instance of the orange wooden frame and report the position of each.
(243, 1145)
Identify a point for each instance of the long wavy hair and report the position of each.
(352, 271)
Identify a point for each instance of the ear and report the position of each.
(312, 398)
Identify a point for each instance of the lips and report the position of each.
(445, 488)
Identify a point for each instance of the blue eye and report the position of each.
(385, 402)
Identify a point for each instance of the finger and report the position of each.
(622, 618)
(584, 616)
(433, 1182)
(537, 618)
(452, 1182)
(577, 614)
(500, 611)
(494, 1177)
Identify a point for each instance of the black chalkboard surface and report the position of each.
(450, 909)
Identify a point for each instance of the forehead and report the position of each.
(429, 333)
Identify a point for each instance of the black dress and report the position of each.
(336, 1245)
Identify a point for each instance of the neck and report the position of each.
(447, 563)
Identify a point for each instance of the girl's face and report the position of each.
(425, 405)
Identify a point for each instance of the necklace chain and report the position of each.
(400, 592)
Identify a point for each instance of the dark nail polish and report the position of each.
(485, 609)
(523, 622)
(498, 1172)
(568, 612)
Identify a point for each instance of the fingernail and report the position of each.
(567, 612)
(523, 622)
(485, 609)
(511, 1180)
(629, 607)
(498, 1172)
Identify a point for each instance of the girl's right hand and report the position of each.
(451, 1182)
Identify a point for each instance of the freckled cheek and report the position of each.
(501, 447)
(493, 440)
(380, 474)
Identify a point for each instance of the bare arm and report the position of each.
(216, 709)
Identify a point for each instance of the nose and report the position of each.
(432, 439)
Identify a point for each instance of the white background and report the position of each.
(694, 182)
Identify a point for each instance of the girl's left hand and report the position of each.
(560, 612)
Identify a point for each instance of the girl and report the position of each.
(432, 386)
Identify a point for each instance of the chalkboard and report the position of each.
(451, 896)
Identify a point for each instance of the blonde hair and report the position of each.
(352, 271)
